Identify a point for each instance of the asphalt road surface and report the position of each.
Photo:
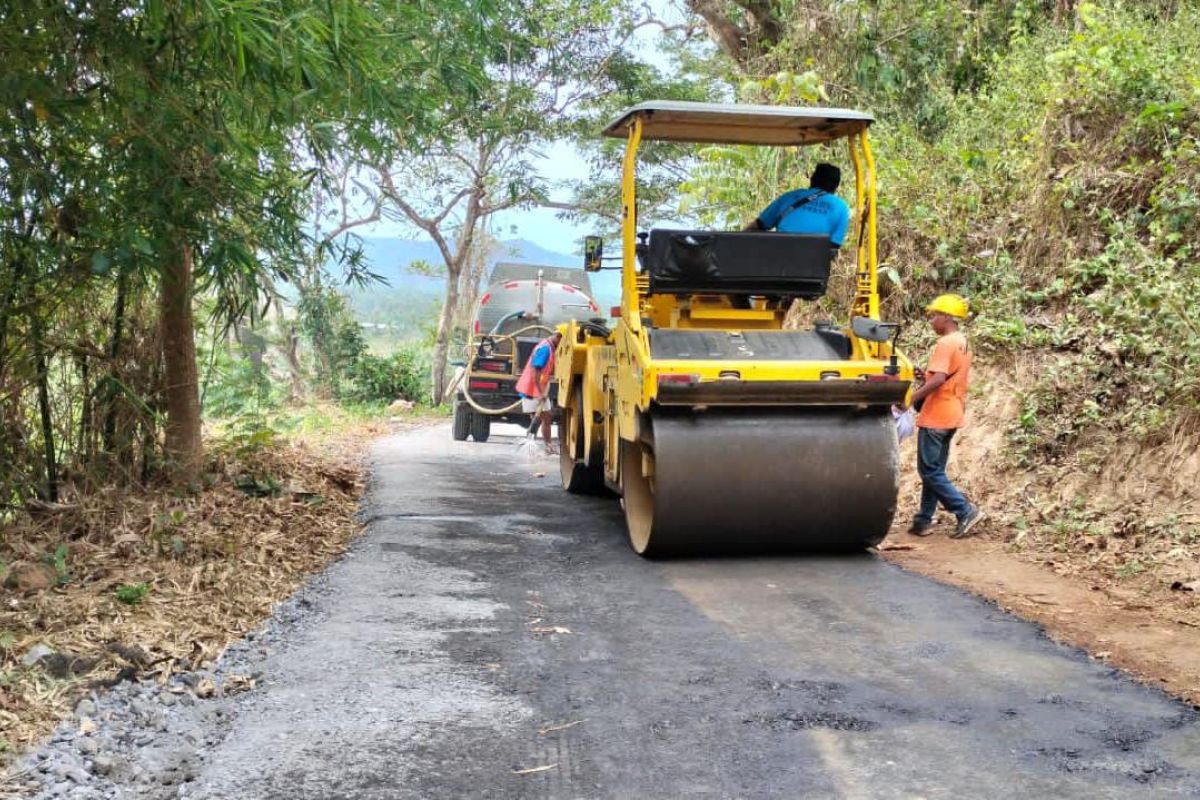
(491, 636)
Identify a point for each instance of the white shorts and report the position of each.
(529, 405)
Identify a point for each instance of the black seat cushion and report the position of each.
(721, 262)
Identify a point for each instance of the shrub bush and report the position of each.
(402, 375)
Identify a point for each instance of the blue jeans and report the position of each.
(933, 451)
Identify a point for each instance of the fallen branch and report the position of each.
(532, 770)
(562, 727)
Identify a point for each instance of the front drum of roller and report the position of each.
(761, 481)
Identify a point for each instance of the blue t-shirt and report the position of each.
(826, 213)
(540, 358)
(541, 355)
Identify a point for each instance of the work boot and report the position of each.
(920, 527)
(967, 523)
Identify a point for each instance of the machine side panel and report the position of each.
(633, 393)
(852, 393)
(598, 357)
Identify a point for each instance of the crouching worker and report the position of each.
(534, 386)
(941, 401)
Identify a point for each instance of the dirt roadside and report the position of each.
(140, 583)
(1154, 644)
(1067, 545)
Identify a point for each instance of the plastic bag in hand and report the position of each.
(906, 422)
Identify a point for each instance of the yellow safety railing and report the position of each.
(629, 291)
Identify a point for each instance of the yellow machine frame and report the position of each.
(609, 383)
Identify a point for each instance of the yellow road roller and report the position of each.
(721, 430)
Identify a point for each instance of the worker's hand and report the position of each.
(900, 408)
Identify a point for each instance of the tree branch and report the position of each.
(728, 36)
(688, 29)
(579, 207)
(445, 212)
(346, 223)
(424, 223)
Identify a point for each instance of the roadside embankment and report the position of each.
(1100, 545)
(140, 583)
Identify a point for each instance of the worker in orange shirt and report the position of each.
(941, 401)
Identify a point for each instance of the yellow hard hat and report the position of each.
(951, 305)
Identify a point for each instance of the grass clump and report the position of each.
(131, 594)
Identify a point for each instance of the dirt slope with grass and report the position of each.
(1101, 546)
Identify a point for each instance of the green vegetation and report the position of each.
(132, 594)
(1068, 212)
(1043, 160)
(152, 153)
(400, 375)
(180, 182)
(58, 561)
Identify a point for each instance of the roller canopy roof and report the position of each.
(735, 123)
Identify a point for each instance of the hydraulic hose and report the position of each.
(466, 389)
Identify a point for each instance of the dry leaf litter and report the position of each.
(200, 570)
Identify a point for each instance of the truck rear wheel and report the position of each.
(481, 427)
(462, 421)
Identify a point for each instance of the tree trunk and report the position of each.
(86, 446)
(721, 29)
(472, 279)
(14, 282)
(1064, 12)
(108, 436)
(43, 393)
(183, 447)
(455, 263)
(441, 346)
(8, 432)
(291, 350)
(743, 43)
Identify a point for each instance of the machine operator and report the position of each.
(816, 209)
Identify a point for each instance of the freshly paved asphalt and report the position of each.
(492, 637)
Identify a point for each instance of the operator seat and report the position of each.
(737, 263)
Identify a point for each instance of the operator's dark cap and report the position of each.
(827, 177)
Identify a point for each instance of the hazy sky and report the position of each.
(559, 162)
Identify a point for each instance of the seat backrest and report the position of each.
(722, 262)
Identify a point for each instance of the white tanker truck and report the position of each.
(521, 305)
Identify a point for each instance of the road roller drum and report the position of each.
(729, 481)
